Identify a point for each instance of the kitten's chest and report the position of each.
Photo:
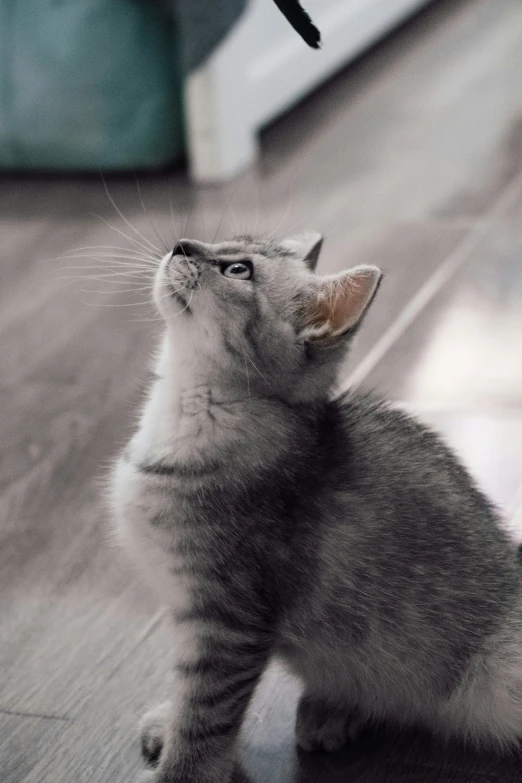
(149, 526)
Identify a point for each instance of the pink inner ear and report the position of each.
(350, 300)
(341, 301)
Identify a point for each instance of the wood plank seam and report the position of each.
(433, 285)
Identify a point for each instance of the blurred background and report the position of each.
(128, 124)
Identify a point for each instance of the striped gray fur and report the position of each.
(338, 534)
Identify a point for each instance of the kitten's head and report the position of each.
(252, 313)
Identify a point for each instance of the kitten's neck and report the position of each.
(189, 419)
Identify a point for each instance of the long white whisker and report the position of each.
(101, 272)
(105, 279)
(107, 261)
(117, 265)
(121, 256)
(111, 279)
(168, 294)
(295, 226)
(117, 291)
(290, 204)
(187, 306)
(224, 213)
(116, 250)
(103, 247)
(134, 242)
(155, 320)
(203, 222)
(176, 234)
(286, 213)
(161, 238)
(138, 255)
(191, 212)
(120, 304)
(237, 226)
(127, 222)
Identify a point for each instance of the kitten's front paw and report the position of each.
(152, 730)
(320, 726)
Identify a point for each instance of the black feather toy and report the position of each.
(300, 21)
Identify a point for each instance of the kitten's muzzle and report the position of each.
(183, 273)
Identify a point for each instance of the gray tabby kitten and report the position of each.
(338, 534)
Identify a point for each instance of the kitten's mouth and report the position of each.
(182, 296)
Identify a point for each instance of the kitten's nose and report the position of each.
(191, 248)
(183, 266)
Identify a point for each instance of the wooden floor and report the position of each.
(411, 159)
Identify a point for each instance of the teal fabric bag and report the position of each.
(88, 84)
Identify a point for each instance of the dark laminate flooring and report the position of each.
(411, 159)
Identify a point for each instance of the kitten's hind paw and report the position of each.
(321, 726)
(152, 731)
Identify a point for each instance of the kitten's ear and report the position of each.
(307, 245)
(338, 304)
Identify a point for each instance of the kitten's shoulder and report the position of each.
(367, 412)
(383, 432)
(388, 446)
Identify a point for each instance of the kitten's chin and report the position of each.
(171, 297)
(172, 302)
(178, 296)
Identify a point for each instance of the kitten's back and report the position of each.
(414, 571)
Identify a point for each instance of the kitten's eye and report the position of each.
(240, 270)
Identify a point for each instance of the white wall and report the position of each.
(264, 67)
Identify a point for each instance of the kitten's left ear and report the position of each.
(338, 304)
(307, 245)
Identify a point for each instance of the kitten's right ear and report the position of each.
(307, 245)
(338, 303)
